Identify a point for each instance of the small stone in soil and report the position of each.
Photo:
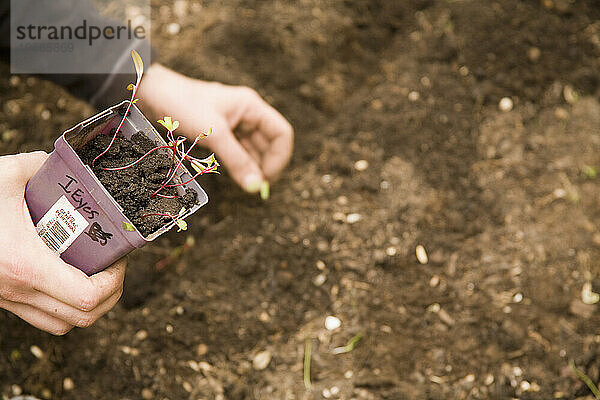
(332, 323)
(262, 360)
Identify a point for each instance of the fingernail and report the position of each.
(265, 190)
(253, 184)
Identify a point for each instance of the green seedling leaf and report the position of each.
(135, 101)
(586, 379)
(205, 163)
(128, 227)
(130, 87)
(167, 122)
(589, 172)
(182, 225)
(175, 125)
(307, 358)
(265, 190)
(139, 64)
(349, 346)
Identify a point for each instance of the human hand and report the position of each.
(252, 139)
(35, 284)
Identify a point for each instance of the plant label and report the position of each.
(61, 225)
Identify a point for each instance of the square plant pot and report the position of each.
(74, 213)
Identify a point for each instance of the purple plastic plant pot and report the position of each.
(72, 211)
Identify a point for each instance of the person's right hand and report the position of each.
(35, 284)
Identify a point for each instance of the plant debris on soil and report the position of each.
(133, 187)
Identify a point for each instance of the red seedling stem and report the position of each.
(138, 160)
(170, 178)
(204, 171)
(120, 125)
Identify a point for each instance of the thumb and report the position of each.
(241, 166)
(17, 169)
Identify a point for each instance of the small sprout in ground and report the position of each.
(265, 190)
(349, 346)
(585, 379)
(589, 172)
(128, 227)
(307, 358)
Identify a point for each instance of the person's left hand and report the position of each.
(252, 139)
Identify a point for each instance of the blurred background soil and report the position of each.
(505, 203)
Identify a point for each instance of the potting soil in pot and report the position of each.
(133, 187)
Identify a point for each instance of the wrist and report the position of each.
(156, 90)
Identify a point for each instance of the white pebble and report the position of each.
(434, 281)
(353, 218)
(518, 297)
(36, 351)
(559, 193)
(68, 384)
(348, 374)
(319, 280)
(173, 28)
(141, 335)
(326, 393)
(525, 386)
(506, 104)
(414, 96)
(320, 265)
(334, 390)
(361, 165)
(332, 323)
(588, 296)
(421, 254)
(489, 379)
(517, 371)
(16, 390)
(391, 251)
(262, 360)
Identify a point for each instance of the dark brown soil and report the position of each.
(504, 203)
(133, 187)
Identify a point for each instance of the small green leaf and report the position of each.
(175, 125)
(135, 101)
(138, 63)
(265, 190)
(167, 123)
(128, 227)
(349, 346)
(130, 87)
(182, 225)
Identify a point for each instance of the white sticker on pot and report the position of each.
(61, 225)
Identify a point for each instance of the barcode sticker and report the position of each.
(61, 225)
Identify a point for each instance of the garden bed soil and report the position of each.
(411, 87)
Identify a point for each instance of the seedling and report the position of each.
(349, 346)
(139, 70)
(585, 379)
(307, 359)
(176, 145)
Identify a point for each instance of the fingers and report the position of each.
(17, 169)
(240, 164)
(69, 314)
(267, 125)
(37, 318)
(68, 284)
